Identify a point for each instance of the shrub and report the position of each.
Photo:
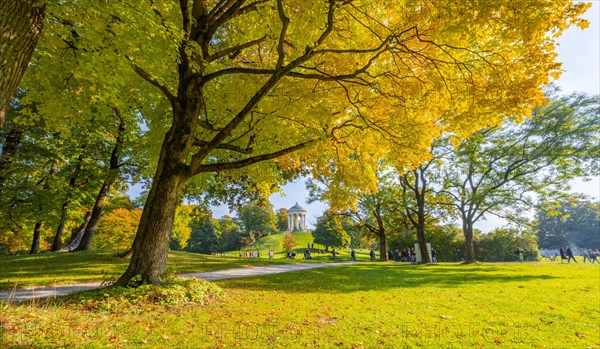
(500, 245)
(175, 293)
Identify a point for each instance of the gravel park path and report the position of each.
(17, 295)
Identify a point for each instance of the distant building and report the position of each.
(297, 218)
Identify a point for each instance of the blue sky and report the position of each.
(579, 51)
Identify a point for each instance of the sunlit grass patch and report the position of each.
(368, 305)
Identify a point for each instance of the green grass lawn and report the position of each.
(367, 305)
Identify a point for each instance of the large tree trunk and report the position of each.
(88, 234)
(20, 27)
(420, 188)
(469, 249)
(111, 177)
(63, 216)
(151, 244)
(421, 240)
(383, 247)
(37, 231)
(77, 234)
(61, 227)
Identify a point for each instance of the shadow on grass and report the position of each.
(93, 266)
(376, 276)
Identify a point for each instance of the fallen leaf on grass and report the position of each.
(328, 320)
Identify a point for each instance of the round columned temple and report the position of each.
(296, 218)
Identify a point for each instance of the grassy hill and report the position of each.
(275, 242)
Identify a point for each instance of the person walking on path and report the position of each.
(434, 255)
(372, 255)
(570, 255)
(353, 255)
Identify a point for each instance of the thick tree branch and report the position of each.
(222, 166)
(285, 21)
(227, 146)
(146, 76)
(235, 50)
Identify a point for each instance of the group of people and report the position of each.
(307, 255)
(250, 254)
(587, 254)
(408, 255)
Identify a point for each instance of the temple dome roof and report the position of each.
(297, 207)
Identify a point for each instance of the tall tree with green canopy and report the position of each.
(249, 82)
(571, 220)
(257, 218)
(330, 232)
(495, 170)
(282, 219)
(417, 198)
(380, 212)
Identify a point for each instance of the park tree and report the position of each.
(493, 171)
(419, 199)
(379, 213)
(205, 238)
(231, 234)
(282, 219)
(573, 220)
(248, 82)
(289, 242)
(117, 229)
(257, 219)
(445, 239)
(46, 178)
(329, 231)
(182, 226)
